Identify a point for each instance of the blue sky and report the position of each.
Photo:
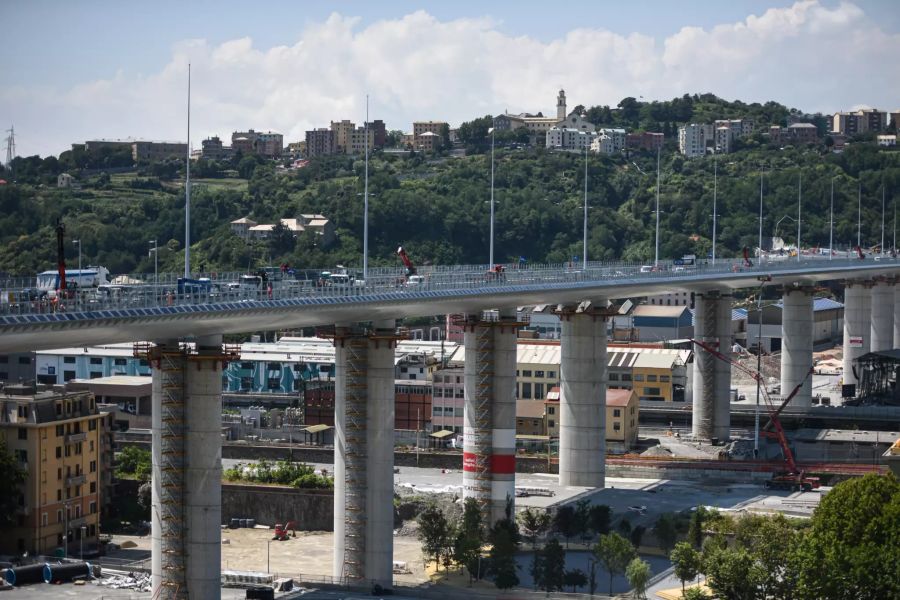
(116, 69)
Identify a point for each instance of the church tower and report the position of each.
(561, 106)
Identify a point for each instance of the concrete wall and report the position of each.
(313, 510)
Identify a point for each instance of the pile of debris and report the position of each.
(139, 582)
(771, 368)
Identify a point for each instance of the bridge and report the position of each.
(187, 381)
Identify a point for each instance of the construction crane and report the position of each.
(792, 478)
(410, 267)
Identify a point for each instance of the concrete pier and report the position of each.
(489, 438)
(896, 314)
(857, 326)
(187, 469)
(882, 316)
(797, 344)
(712, 376)
(582, 404)
(363, 454)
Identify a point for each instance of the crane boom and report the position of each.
(410, 267)
(778, 435)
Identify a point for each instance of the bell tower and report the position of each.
(561, 105)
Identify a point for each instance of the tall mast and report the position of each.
(366, 199)
(799, 203)
(715, 197)
(187, 187)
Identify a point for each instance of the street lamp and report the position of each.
(859, 216)
(761, 175)
(366, 199)
(799, 202)
(66, 531)
(715, 197)
(656, 255)
(491, 131)
(775, 234)
(585, 243)
(155, 251)
(79, 257)
(831, 225)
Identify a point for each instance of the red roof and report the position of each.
(613, 397)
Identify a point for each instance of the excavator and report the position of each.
(792, 477)
(281, 530)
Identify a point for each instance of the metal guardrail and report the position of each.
(160, 291)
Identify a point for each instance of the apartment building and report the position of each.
(646, 140)
(609, 141)
(692, 139)
(143, 151)
(379, 131)
(412, 405)
(268, 143)
(342, 131)
(428, 142)
(860, 121)
(60, 440)
(356, 141)
(213, 148)
(795, 133)
(19, 367)
(565, 138)
(320, 142)
(435, 127)
(448, 399)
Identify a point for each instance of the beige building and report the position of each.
(530, 418)
(342, 131)
(241, 227)
(622, 412)
(356, 141)
(61, 440)
(420, 127)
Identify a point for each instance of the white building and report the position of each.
(692, 139)
(887, 140)
(563, 138)
(609, 141)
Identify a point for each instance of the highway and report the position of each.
(147, 314)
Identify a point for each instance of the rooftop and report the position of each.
(529, 409)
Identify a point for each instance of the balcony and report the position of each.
(78, 522)
(76, 480)
(74, 438)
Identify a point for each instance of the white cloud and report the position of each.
(416, 67)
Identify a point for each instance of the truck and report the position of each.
(89, 277)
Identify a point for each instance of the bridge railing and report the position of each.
(159, 290)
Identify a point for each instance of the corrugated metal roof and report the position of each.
(818, 304)
(650, 310)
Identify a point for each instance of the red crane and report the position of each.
(793, 478)
(61, 257)
(410, 267)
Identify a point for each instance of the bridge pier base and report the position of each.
(712, 376)
(582, 401)
(797, 344)
(489, 435)
(187, 469)
(857, 325)
(364, 454)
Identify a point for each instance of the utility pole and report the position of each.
(656, 255)
(585, 249)
(859, 216)
(799, 202)
(831, 225)
(366, 200)
(187, 188)
(758, 370)
(761, 174)
(882, 219)
(492, 200)
(715, 198)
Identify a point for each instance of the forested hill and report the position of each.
(436, 207)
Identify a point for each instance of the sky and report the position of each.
(118, 68)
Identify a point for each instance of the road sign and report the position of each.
(856, 341)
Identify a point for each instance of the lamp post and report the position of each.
(831, 225)
(882, 219)
(187, 187)
(155, 251)
(859, 216)
(656, 254)
(761, 176)
(79, 257)
(799, 202)
(715, 198)
(491, 258)
(777, 223)
(585, 243)
(758, 368)
(366, 199)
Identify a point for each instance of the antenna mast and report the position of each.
(10, 147)
(187, 188)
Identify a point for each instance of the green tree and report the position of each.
(553, 567)
(637, 534)
(432, 532)
(695, 529)
(582, 518)
(638, 574)
(467, 548)
(665, 532)
(686, 562)
(575, 578)
(281, 240)
(694, 593)
(564, 522)
(504, 540)
(732, 573)
(11, 477)
(534, 523)
(134, 462)
(599, 518)
(852, 545)
(614, 552)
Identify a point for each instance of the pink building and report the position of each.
(448, 400)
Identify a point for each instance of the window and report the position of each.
(274, 383)
(273, 366)
(93, 507)
(613, 376)
(59, 498)
(617, 426)
(92, 425)
(651, 378)
(96, 374)
(436, 411)
(638, 377)
(144, 362)
(93, 466)
(551, 374)
(551, 410)
(96, 360)
(246, 383)
(59, 452)
(539, 374)
(626, 377)
(617, 412)
(45, 520)
(24, 360)
(120, 362)
(526, 391)
(551, 424)
(59, 474)
(664, 379)
(651, 391)
(539, 391)
(247, 366)
(67, 376)
(68, 451)
(23, 433)
(460, 393)
(526, 373)
(22, 455)
(60, 431)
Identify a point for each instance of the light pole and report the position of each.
(761, 175)
(882, 219)
(715, 198)
(758, 368)
(491, 131)
(79, 257)
(831, 225)
(799, 202)
(187, 188)
(656, 254)
(155, 265)
(366, 199)
(585, 243)
(859, 216)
